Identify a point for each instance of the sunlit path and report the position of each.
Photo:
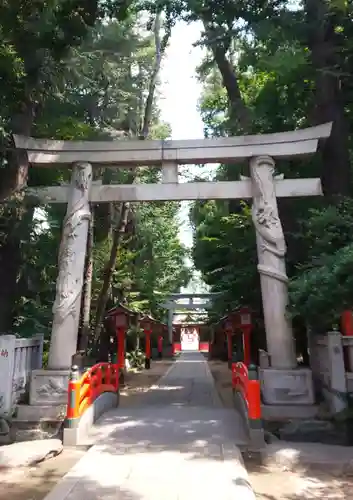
(178, 444)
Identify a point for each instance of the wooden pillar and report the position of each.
(148, 333)
(160, 346)
(246, 327)
(121, 347)
(121, 324)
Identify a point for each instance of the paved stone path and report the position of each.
(177, 445)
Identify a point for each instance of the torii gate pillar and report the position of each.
(71, 265)
(271, 251)
(283, 383)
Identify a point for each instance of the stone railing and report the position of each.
(331, 359)
(18, 357)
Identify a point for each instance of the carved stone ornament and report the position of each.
(69, 282)
(266, 219)
(52, 388)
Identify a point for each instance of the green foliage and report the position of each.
(136, 358)
(225, 251)
(268, 47)
(320, 294)
(324, 285)
(94, 88)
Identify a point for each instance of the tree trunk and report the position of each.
(239, 113)
(109, 270)
(329, 103)
(219, 42)
(15, 219)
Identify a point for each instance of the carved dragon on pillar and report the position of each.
(67, 286)
(266, 219)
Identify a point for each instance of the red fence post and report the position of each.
(73, 403)
(254, 398)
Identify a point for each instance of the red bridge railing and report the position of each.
(245, 382)
(85, 389)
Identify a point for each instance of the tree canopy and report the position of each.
(82, 70)
(73, 69)
(270, 67)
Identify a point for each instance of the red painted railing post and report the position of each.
(99, 380)
(73, 403)
(254, 398)
(245, 381)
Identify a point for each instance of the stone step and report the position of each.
(38, 413)
(285, 412)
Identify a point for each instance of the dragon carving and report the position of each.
(266, 219)
(68, 288)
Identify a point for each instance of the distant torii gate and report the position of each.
(260, 150)
(172, 305)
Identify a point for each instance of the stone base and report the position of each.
(53, 413)
(287, 387)
(288, 412)
(48, 387)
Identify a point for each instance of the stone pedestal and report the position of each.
(49, 387)
(287, 387)
(264, 361)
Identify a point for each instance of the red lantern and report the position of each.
(120, 320)
(245, 317)
(228, 326)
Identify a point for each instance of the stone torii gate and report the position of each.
(260, 150)
(172, 305)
